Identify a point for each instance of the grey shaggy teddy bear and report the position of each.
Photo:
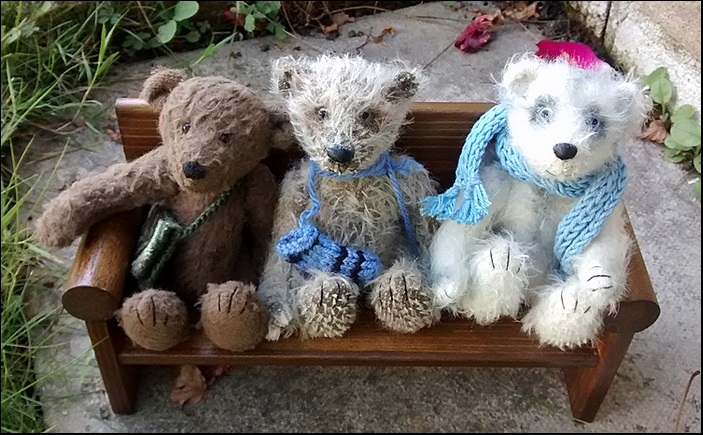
(360, 197)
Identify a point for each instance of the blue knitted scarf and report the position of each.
(307, 248)
(598, 193)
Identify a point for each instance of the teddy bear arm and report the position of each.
(415, 187)
(122, 186)
(262, 194)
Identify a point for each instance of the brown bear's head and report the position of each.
(217, 129)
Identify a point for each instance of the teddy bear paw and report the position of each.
(154, 319)
(232, 316)
(565, 316)
(401, 301)
(499, 282)
(327, 306)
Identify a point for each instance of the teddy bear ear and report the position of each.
(404, 86)
(281, 128)
(159, 85)
(518, 75)
(287, 73)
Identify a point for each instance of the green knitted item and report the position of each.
(160, 234)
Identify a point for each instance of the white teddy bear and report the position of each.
(548, 230)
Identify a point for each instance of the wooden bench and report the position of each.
(100, 278)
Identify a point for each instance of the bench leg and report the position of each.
(588, 386)
(119, 379)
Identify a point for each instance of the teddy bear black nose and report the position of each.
(340, 154)
(565, 151)
(193, 170)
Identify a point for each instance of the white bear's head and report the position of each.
(567, 121)
(345, 111)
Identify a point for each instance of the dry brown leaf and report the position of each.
(330, 29)
(114, 134)
(385, 31)
(522, 11)
(190, 385)
(212, 372)
(656, 132)
(340, 18)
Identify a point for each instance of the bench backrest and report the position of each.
(434, 137)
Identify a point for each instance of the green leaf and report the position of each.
(697, 189)
(249, 23)
(449, 3)
(185, 10)
(687, 132)
(193, 36)
(684, 112)
(671, 143)
(279, 31)
(167, 32)
(674, 156)
(697, 163)
(274, 7)
(660, 90)
(655, 75)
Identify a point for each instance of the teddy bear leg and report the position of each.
(327, 305)
(154, 319)
(401, 298)
(498, 280)
(569, 313)
(232, 316)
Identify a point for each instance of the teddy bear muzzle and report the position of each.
(565, 151)
(193, 170)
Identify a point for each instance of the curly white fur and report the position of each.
(365, 105)
(488, 270)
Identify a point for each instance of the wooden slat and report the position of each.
(450, 343)
(93, 290)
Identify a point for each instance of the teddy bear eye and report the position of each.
(322, 113)
(593, 122)
(545, 113)
(186, 127)
(365, 115)
(224, 137)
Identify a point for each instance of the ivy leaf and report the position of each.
(687, 132)
(250, 23)
(185, 10)
(684, 112)
(697, 163)
(167, 32)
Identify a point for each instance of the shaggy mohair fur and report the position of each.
(223, 130)
(487, 270)
(361, 106)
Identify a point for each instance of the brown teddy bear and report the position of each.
(212, 204)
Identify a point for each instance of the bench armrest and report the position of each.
(640, 308)
(95, 284)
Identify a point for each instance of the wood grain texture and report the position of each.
(120, 380)
(448, 343)
(94, 288)
(587, 387)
